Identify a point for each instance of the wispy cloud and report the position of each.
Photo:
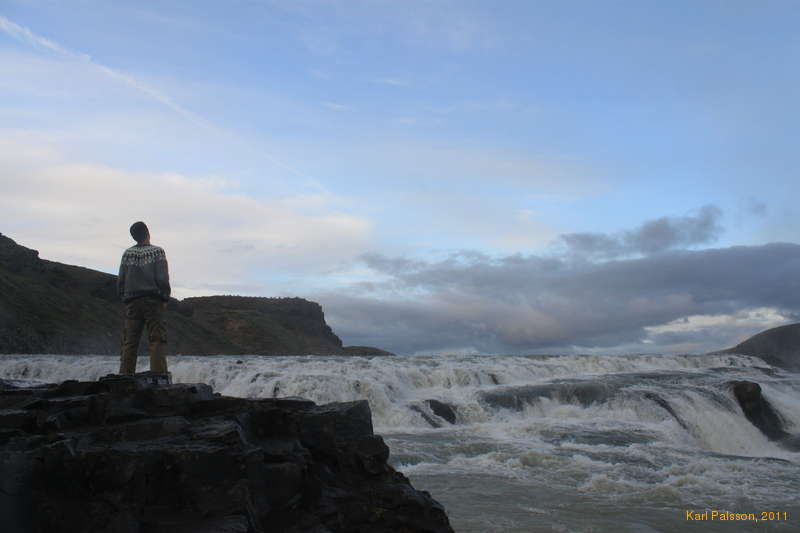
(336, 107)
(395, 82)
(28, 37)
(25, 35)
(218, 237)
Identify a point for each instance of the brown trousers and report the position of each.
(145, 311)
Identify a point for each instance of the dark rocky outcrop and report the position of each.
(584, 393)
(265, 325)
(757, 409)
(664, 404)
(119, 456)
(777, 346)
(434, 410)
(49, 307)
(761, 414)
(442, 410)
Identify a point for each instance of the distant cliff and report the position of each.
(49, 307)
(777, 346)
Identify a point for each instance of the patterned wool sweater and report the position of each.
(143, 271)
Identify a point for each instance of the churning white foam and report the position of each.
(637, 435)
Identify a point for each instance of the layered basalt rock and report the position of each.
(119, 456)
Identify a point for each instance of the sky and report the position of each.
(442, 176)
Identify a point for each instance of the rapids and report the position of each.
(540, 443)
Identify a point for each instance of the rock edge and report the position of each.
(119, 456)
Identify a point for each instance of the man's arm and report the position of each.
(162, 277)
(121, 278)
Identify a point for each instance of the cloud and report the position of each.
(335, 107)
(533, 303)
(67, 97)
(21, 33)
(697, 332)
(461, 166)
(394, 82)
(214, 235)
(654, 236)
(25, 35)
(329, 28)
(756, 208)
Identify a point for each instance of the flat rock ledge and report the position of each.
(121, 456)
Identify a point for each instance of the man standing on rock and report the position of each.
(143, 285)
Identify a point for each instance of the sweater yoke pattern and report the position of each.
(143, 255)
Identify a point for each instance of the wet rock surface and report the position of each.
(762, 415)
(757, 409)
(443, 410)
(584, 393)
(435, 412)
(121, 456)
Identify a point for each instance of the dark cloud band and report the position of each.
(533, 303)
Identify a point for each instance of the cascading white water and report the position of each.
(635, 432)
